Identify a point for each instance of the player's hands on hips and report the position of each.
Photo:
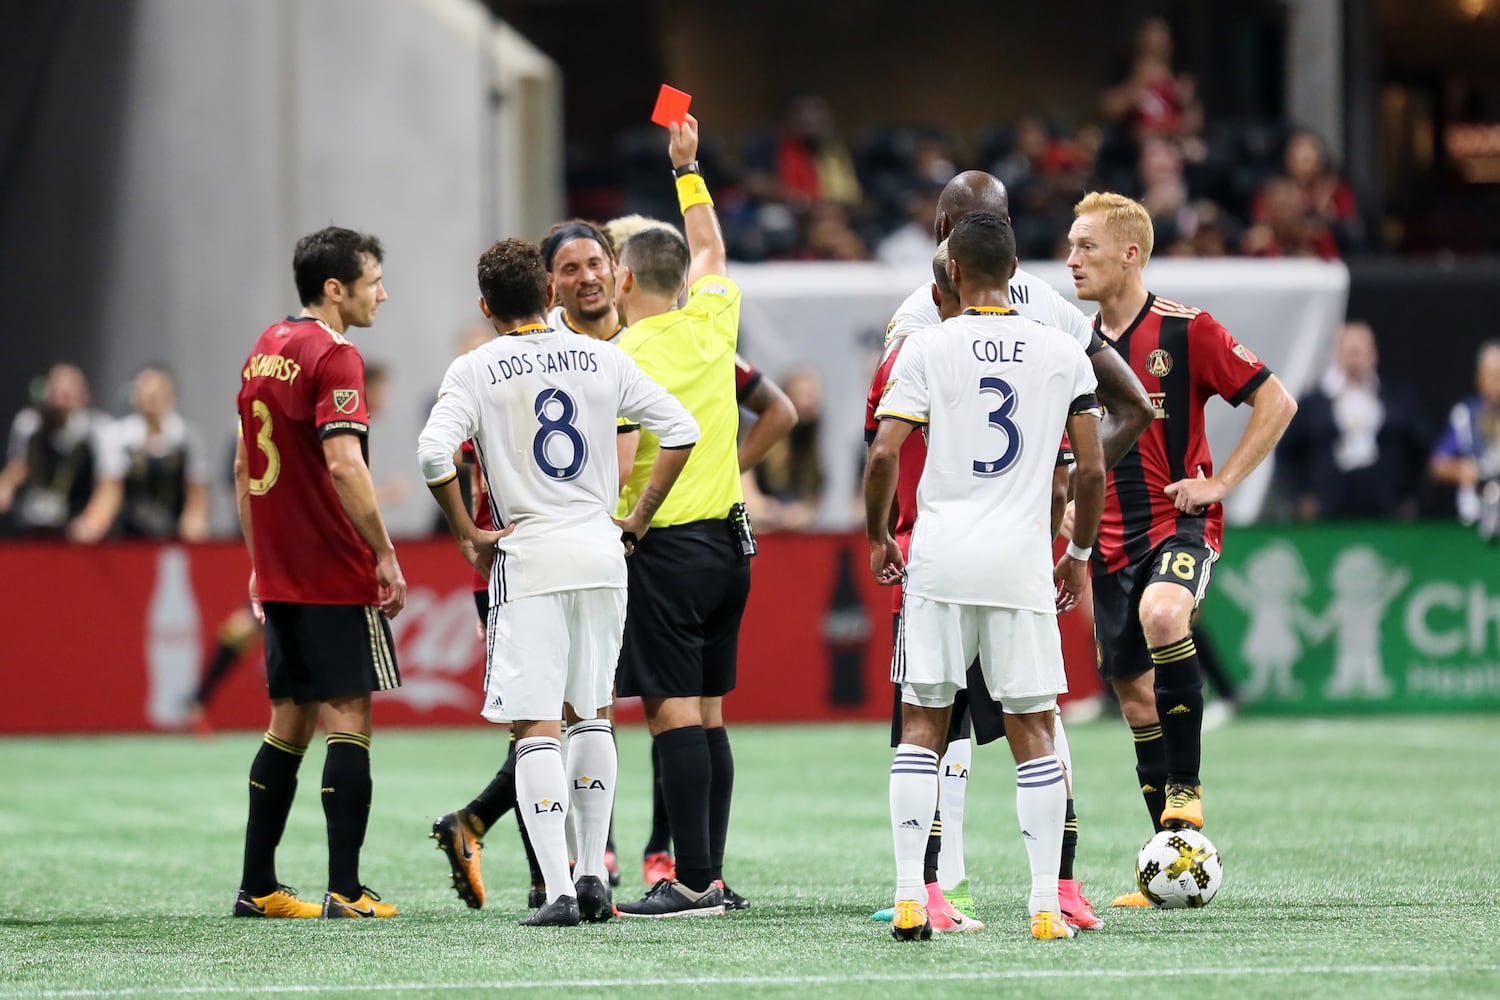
(392, 585)
(632, 530)
(684, 145)
(479, 548)
(1071, 576)
(255, 606)
(886, 564)
(1194, 496)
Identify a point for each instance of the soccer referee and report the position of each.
(690, 574)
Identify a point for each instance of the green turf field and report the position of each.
(1361, 858)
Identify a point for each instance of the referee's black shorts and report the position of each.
(688, 588)
(319, 652)
(974, 713)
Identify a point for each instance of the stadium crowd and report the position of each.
(804, 191)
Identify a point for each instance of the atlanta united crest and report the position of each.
(346, 400)
(1159, 363)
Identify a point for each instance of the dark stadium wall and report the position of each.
(62, 70)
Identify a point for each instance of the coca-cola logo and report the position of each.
(438, 648)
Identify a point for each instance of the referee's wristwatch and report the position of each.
(687, 168)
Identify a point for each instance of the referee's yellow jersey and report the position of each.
(690, 353)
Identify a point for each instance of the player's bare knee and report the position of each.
(1030, 735)
(1164, 618)
(925, 727)
(527, 728)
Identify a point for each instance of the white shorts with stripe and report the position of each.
(1020, 654)
(552, 648)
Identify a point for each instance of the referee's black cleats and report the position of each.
(561, 912)
(668, 898)
(595, 902)
(732, 899)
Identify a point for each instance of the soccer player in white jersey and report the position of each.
(994, 392)
(1128, 412)
(541, 406)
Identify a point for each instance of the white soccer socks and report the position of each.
(593, 766)
(914, 797)
(953, 787)
(1041, 804)
(542, 798)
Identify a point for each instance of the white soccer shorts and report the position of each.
(551, 648)
(1020, 653)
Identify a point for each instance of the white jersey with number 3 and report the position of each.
(993, 392)
(542, 409)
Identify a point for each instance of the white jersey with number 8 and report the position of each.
(993, 392)
(542, 409)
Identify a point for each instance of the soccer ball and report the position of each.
(1179, 868)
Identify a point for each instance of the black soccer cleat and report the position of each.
(536, 896)
(595, 902)
(732, 899)
(673, 899)
(561, 912)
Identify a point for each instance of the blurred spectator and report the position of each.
(1311, 193)
(910, 245)
(1164, 191)
(1326, 198)
(1284, 229)
(165, 488)
(812, 162)
(1358, 444)
(58, 454)
(830, 237)
(789, 480)
(1467, 456)
(1212, 236)
(391, 489)
(1153, 100)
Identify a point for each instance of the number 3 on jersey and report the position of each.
(261, 485)
(1000, 418)
(556, 410)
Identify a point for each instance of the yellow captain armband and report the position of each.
(691, 190)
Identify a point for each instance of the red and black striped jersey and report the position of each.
(1182, 356)
(302, 382)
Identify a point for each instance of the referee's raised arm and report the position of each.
(699, 220)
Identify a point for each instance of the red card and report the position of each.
(671, 106)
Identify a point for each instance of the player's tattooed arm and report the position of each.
(664, 472)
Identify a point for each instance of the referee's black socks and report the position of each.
(686, 778)
(273, 785)
(720, 792)
(346, 808)
(1179, 707)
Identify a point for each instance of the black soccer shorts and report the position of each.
(319, 652)
(1117, 601)
(688, 587)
